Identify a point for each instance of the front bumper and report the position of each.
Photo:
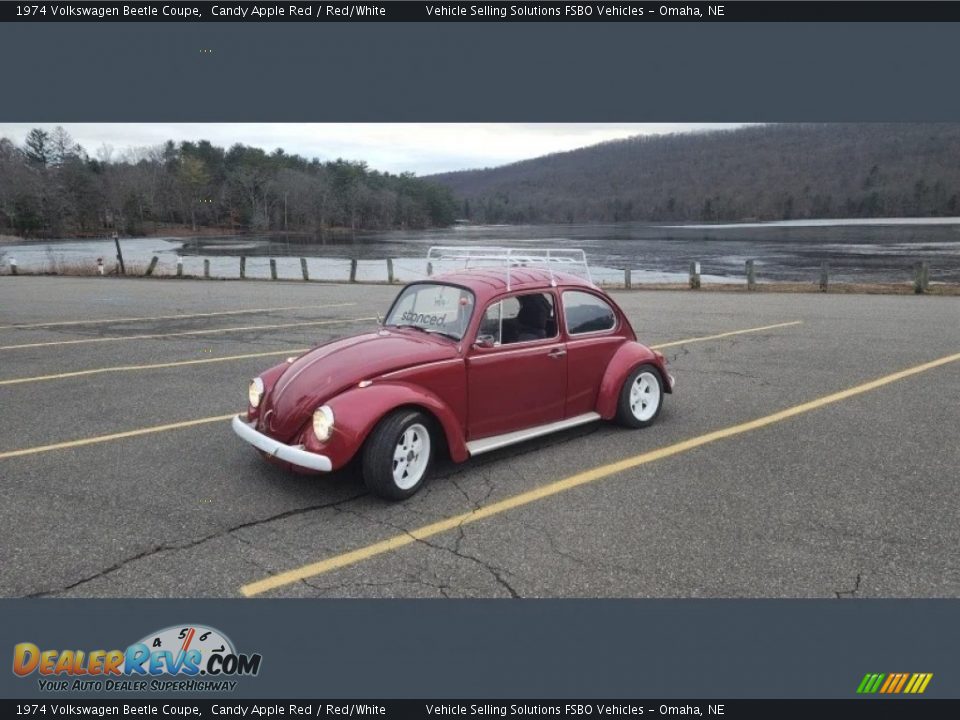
(293, 454)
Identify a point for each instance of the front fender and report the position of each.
(358, 410)
(628, 356)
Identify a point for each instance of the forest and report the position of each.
(768, 172)
(51, 187)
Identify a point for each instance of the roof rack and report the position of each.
(573, 261)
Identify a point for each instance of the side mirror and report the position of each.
(485, 342)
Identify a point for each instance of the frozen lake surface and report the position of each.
(860, 250)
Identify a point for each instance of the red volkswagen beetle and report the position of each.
(468, 361)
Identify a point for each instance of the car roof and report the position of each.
(490, 282)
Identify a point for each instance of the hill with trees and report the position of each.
(769, 172)
(51, 187)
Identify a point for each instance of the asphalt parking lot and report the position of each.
(121, 476)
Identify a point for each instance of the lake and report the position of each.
(857, 250)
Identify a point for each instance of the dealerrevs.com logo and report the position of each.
(178, 658)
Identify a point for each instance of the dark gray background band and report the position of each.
(394, 649)
(519, 72)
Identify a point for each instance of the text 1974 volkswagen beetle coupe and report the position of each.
(504, 349)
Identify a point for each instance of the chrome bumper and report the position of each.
(293, 454)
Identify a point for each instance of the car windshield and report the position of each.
(433, 308)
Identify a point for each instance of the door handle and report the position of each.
(556, 353)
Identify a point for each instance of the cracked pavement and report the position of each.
(859, 499)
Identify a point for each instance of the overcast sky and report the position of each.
(418, 148)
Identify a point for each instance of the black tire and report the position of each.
(379, 463)
(635, 412)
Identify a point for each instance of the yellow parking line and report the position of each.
(365, 553)
(725, 334)
(294, 351)
(114, 436)
(187, 423)
(154, 366)
(182, 334)
(251, 311)
(160, 428)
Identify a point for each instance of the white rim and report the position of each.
(644, 396)
(411, 456)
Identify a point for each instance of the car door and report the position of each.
(517, 369)
(593, 336)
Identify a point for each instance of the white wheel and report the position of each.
(645, 396)
(411, 456)
(398, 454)
(641, 397)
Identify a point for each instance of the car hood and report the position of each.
(329, 369)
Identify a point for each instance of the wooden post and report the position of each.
(116, 241)
(751, 276)
(273, 268)
(13, 266)
(921, 277)
(824, 276)
(206, 268)
(152, 266)
(179, 266)
(303, 269)
(626, 278)
(353, 270)
(694, 275)
(243, 267)
(390, 270)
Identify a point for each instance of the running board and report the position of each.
(495, 442)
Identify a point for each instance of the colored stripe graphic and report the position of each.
(903, 681)
(918, 683)
(894, 683)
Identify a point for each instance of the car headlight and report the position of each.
(255, 392)
(323, 423)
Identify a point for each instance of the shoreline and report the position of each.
(903, 288)
(791, 269)
(187, 232)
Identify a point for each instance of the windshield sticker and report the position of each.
(424, 319)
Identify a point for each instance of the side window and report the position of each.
(490, 324)
(586, 313)
(523, 318)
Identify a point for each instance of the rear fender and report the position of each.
(628, 356)
(358, 410)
